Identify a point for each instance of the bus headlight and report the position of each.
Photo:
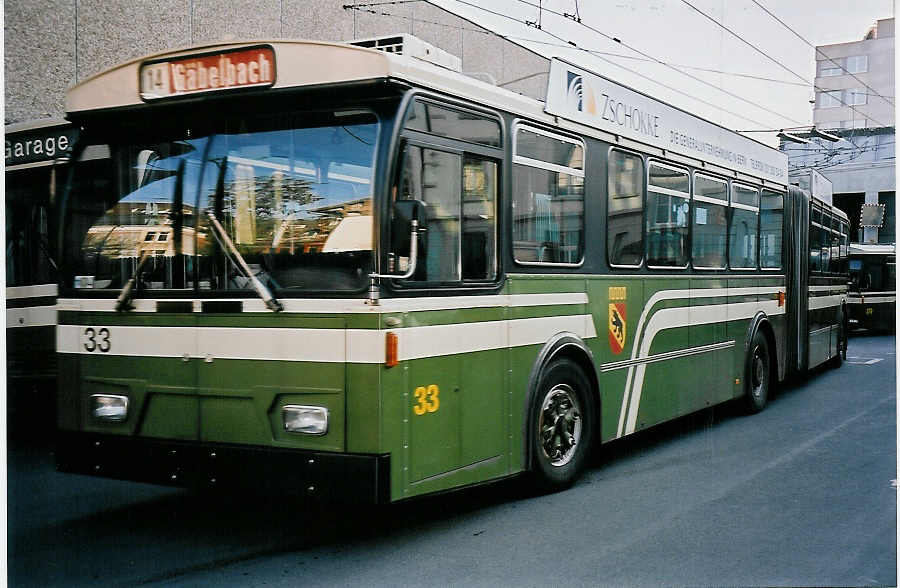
(109, 407)
(311, 420)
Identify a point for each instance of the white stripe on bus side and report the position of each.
(868, 300)
(664, 295)
(669, 318)
(32, 316)
(40, 290)
(817, 302)
(319, 345)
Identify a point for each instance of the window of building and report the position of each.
(742, 238)
(668, 211)
(855, 96)
(625, 208)
(830, 67)
(548, 198)
(771, 218)
(710, 220)
(830, 99)
(888, 231)
(857, 64)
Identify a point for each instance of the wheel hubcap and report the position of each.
(560, 425)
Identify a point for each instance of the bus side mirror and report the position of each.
(404, 213)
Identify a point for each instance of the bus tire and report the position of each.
(757, 374)
(561, 425)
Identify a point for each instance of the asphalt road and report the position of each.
(804, 493)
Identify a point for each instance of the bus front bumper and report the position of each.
(341, 477)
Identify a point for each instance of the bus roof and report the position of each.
(326, 63)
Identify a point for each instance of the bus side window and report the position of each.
(548, 198)
(825, 243)
(771, 219)
(710, 223)
(815, 240)
(742, 251)
(835, 238)
(668, 210)
(625, 208)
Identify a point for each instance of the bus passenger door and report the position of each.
(456, 378)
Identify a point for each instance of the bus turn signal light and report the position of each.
(390, 355)
(781, 299)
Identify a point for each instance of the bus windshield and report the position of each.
(292, 193)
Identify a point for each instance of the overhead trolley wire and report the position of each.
(571, 45)
(679, 65)
(818, 51)
(769, 57)
(659, 61)
(357, 5)
(363, 8)
(655, 81)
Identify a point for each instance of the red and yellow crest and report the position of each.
(617, 327)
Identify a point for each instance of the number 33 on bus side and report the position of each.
(97, 340)
(427, 399)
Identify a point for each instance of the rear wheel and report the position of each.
(562, 425)
(758, 374)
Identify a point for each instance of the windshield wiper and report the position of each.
(123, 302)
(231, 251)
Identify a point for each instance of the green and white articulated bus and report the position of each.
(355, 273)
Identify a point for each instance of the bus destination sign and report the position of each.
(210, 72)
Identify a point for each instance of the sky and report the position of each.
(669, 50)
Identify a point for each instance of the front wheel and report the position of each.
(758, 374)
(562, 425)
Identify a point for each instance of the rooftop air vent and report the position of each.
(413, 47)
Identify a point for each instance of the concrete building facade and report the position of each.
(52, 44)
(854, 102)
(855, 81)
